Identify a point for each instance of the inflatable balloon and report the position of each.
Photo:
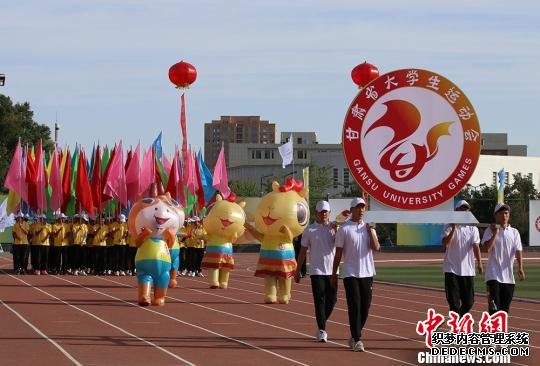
(154, 221)
(224, 224)
(175, 262)
(280, 216)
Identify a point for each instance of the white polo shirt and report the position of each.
(459, 255)
(357, 254)
(319, 240)
(502, 254)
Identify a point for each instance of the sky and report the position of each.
(100, 68)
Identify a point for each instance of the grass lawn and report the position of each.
(432, 276)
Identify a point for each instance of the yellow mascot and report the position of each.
(224, 224)
(280, 216)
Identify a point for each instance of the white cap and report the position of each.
(357, 201)
(322, 206)
(63, 216)
(84, 217)
(20, 214)
(501, 206)
(462, 203)
(196, 218)
(122, 218)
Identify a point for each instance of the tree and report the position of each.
(16, 121)
(245, 188)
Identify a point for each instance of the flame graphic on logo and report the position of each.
(404, 119)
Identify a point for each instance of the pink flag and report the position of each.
(115, 184)
(191, 174)
(16, 176)
(41, 180)
(133, 176)
(148, 175)
(220, 180)
(56, 182)
(166, 163)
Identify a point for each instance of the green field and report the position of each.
(432, 276)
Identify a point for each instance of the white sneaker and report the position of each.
(199, 274)
(122, 273)
(358, 347)
(322, 336)
(76, 273)
(183, 273)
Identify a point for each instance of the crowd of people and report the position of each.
(84, 246)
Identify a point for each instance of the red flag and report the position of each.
(183, 125)
(16, 177)
(115, 181)
(82, 188)
(95, 187)
(56, 182)
(133, 176)
(174, 177)
(66, 182)
(148, 175)
(200, 188)
(191, 179)
(105, 196)
(220, 180)
(41, 180)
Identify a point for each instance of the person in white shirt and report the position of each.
(356, 241)
(462, 244)
(318, 239)
(503, 243)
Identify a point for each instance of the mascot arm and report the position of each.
(286, 233)
(256, 234)
(143, 236)
(170, 237)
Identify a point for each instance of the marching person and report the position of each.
(462, 244)
(40, 231)
(318, 239)
(356, 241)
(21, 229)
(503, 244)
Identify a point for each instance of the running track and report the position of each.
(69, 320)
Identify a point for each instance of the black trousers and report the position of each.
(119, 258)
(19, 253)
(40, 257)
(130, 258)
(500, 296)
(459, 292)
(324, 298)
(358, 292)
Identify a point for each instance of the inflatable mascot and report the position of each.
(154, 222)
(280, 216)
(224, 224)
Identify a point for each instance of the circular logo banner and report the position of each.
(411, 139)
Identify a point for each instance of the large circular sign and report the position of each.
(411, 139)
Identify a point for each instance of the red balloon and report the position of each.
(182, 74)
(364, 73)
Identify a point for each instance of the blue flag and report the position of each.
(206, 179)
(157, 146)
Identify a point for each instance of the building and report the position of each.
(261, 162)
(235, 130)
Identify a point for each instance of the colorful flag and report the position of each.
(286, 152)
(157, 146)
(82, 186)
(96, 185)
(55, 181)
(115, 183)
(148, 175)
(199, 190)
(305, 174)
(206, 178)
(15, 178)
(220, 180)
(502, 181)
(41, 180)
(66, 181)
(133, 175)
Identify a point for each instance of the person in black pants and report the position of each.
(356, 241)
(318, 239)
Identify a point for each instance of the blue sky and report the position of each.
(101, 66)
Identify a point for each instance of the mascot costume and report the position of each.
(154, 222)
(224, 224)
(280, 216)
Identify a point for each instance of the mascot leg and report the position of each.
(159, 296)
(144, 293)
(223, 278)
(213, 277)
(270, 289)
(172, 282)
(284, 290)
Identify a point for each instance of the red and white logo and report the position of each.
(537, 223)
(411, 139)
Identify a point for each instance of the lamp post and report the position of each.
(261, 182)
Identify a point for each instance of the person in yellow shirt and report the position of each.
(195, 243)
(131, 252)
(21, 229)
(79, 230)
(100, 231)
(59, 249)
(40, 231)
(118, 230)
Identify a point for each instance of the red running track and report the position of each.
(69, 320)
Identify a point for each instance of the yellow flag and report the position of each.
(305, 173)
